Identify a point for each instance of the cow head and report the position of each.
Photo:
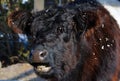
(57, 41)
(58, 36)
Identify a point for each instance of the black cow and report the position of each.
(78, 42)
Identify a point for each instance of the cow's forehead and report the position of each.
(50, 23)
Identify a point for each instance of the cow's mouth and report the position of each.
(43, 69)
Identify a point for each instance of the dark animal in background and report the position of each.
(78, 42)
(19, 22)
(4, 53)
(5, 49)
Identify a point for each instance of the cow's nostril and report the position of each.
(43, 53)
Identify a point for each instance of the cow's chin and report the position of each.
(44, 70)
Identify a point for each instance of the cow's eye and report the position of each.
(60, 30)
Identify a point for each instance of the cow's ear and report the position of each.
(86, 20)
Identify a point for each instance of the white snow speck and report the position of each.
(106, 39)
(100, 39)
(111, 44)
(108, 45)
(103, 25)
(95, 58)
(102, 47)
(93, 53)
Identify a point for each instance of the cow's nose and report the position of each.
(39, 56)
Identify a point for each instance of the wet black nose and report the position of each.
(39, 56)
